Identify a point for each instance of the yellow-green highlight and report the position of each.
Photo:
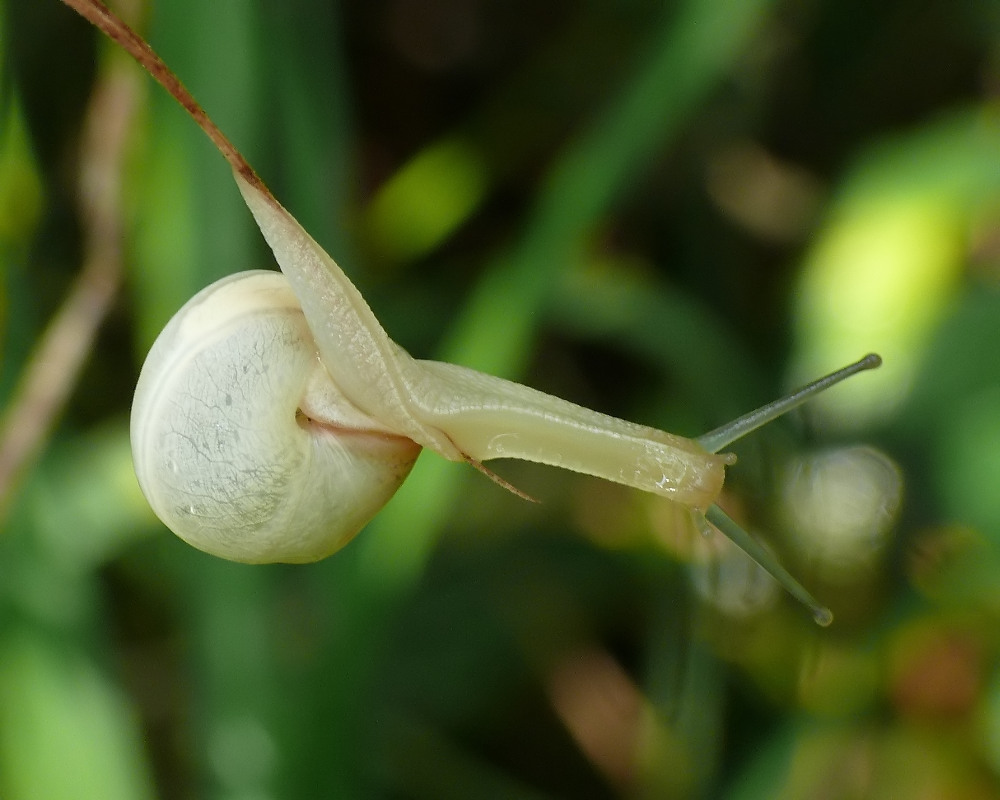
(20, 186)
(427, 199)
(65, 730)
(887, 264)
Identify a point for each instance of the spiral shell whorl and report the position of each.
(223, 450)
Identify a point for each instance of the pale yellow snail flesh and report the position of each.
(261, 436)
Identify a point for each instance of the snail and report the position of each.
(274, 416)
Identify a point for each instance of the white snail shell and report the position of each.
(243, 445)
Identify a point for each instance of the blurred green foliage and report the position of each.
(671, 212)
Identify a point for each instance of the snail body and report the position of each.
(274, 416)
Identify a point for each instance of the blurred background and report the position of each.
(671, 212)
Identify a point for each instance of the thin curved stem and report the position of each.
(56, 362)
(115, 29)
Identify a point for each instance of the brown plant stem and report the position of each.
(54, 365)
(137, 47)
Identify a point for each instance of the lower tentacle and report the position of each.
(718, 519)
